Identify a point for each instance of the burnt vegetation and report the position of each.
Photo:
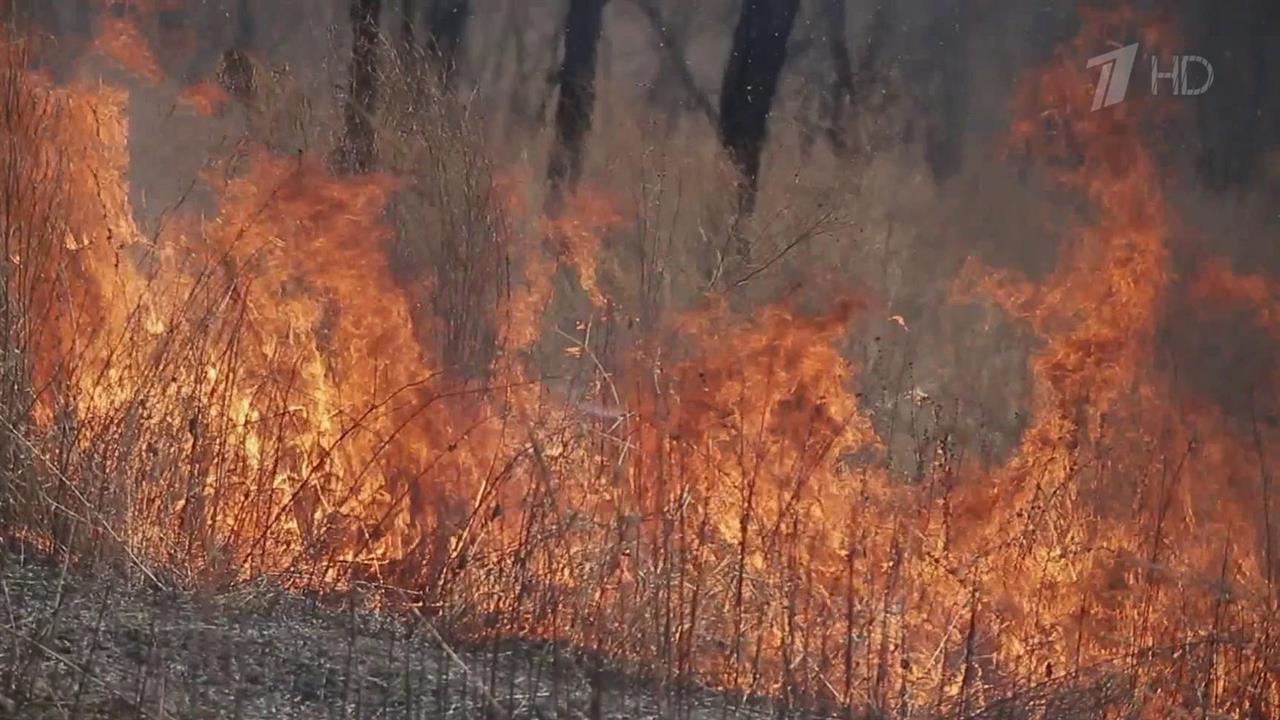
(635, 358)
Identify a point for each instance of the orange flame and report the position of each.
(120, 39)
(252, 394)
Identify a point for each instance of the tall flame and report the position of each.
(248, 393)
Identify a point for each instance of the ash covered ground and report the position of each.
(100, 646)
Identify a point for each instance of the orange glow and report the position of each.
(119, 39)
(253, 392)
(206, 97)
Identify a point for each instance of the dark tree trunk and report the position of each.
(836, 16)
(577, 79)
(750, 83)
(446, 26)
(38, 13)
(1240, 114)
(356, 154)
(674, 88)
(949, 92)
(81, 18)
(237, 73)
(244, 25)
(850, 77)
(408, 16)
(68, 23)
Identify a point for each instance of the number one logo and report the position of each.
(1113, 80)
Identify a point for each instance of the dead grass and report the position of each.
(657, 504)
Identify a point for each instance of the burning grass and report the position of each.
(261, 391)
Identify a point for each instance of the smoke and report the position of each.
(975, 318)
(926, 179)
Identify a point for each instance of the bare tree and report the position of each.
(674, 86)
(836, 15)
(40, 13)
(356, 154)
(946, 89)
(236, 71)
(850, 78)
(408, 16)
(244, 24)
(1239, 121)
(81, 21)
(750, 83)
(576, 103)
(446, 26)
(59, 19)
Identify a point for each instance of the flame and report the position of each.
(251, 392)
(1123, 505)
(120, 39)
(579, 229)
(206, 97)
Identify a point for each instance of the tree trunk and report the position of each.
(949, 95)
(38, 13)
(446, 27)
(1239, 116)
(81, 18)
(237, 73)
(750, 83)
(244, 25)
(408, 16)
(836, 16)
(577, 79)
(356, 154)
(851, 77)
(674, 88)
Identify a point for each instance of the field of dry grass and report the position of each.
(91, 645)
(277, 441)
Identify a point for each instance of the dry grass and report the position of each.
(694, 497)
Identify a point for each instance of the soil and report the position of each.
(80, 645)
(95, 644)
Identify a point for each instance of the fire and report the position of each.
(578, 230)
(1124, 505)
(248, 392)
(206, 97)
(120, 39)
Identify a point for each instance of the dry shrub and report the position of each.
(33, 225)
(452, 227)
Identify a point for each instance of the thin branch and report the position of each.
(672, 46)
(808, 234)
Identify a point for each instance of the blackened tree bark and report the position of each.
(1239, 116)
(750, 83)
(81, 18)
(408, 16)
(949, 88)
(576, 103)
(356, 154)
(236, 72)
(836, 15)
(244, 24)
(39, 13)
(674, 87)
(72, 17)
(446, 26)
(850, 78)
